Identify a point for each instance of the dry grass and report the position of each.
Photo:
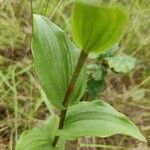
(21, 97)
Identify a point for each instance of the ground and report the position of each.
(22, 104)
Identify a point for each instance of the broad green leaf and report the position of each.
(55, 58)
(97, 28)
(121, 63)
(39, 138)
(97, 118)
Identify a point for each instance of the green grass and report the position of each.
(22, 100)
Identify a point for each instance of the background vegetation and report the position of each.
(23, 104)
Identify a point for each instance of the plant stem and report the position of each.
(61, 125)
(31, 3)
(46, 7)
(82, 58)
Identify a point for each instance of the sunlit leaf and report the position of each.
(121, 63)
(97, 118)
(39, 138)
(55, 58)
(97, 28)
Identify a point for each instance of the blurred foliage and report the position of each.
(96, 80)
(121, 63)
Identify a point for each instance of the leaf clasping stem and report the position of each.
(82, 58)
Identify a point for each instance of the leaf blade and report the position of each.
(97, 28)
(55, 58)
(39, 138)
(97, 118)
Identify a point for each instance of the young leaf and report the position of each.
(121, 63)
(55, 58)
(39, 138)
(97, 118)
(97, 28)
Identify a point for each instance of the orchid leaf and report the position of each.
(97, 118)
(55, 58)
(97, 28)
(39, 138)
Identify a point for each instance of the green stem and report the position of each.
(61, 125)
(82, 58)
(31, 3)
(46, 7)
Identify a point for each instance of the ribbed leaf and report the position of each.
(97, 118)
(97, 28)
(55, 58)
(39, 138)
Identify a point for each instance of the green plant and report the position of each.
(62, 73)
